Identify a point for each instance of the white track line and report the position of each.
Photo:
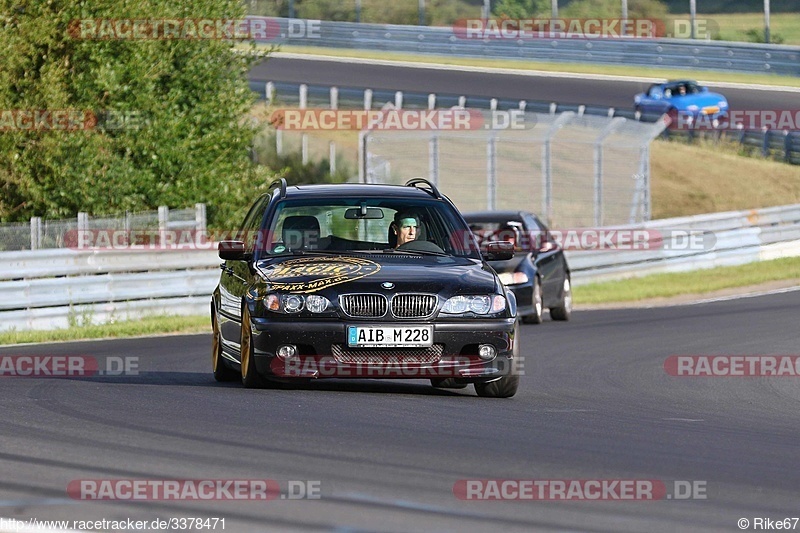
(520, 72)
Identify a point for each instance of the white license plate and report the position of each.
(389, 336)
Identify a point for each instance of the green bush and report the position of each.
(637, 9)
(756, 35)
(189, 144)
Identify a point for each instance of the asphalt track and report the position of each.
(595, 403)
(606, 93)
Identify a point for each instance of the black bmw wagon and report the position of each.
(363, 281)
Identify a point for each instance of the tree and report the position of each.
(182, 138)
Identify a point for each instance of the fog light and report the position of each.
(486, 352)
(287, 351)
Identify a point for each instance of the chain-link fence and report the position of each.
(41, 233)
(573, 170)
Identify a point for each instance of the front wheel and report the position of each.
(564, 310)
(221, 371)
(536, 316)
(506, 386)
(250, 377)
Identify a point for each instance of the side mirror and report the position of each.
(232, 251)
(547, 246)
(498, 251)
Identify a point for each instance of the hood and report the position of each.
(700, 100)
(333, 275)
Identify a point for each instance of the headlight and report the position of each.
(294, 303)
(479, 305)
(722, 103)
(513, 278)
(692, 108)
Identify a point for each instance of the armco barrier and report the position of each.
(47, 289)
(740, 237)
(668, 53)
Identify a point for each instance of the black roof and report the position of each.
(493, 216)
(356, 189)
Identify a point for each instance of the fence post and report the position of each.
(163, 223)
(491, 172)
(269, 92)
(279, 141)
(432, 101)
(433, 159)
(332, 158)
(612, 126)
(83, 226)
(200, 223)
(553, 108)
(787, 146)
(398, 99)
(334, 98)
(36, 233)
(765, 143)
(547, 169)
(362, 156)
(303, 96)
(304, 148)
(462, 101)
(493, 104)
(523, 105)
(367, 99)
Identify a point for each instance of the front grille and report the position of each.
(363, 305)
(387, 356)
(413, 305)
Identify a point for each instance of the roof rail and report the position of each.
(282, 183)
(431, 188)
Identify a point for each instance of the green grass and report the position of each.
(734, 26)
(151, 325)
(639, 72)
(696, 282)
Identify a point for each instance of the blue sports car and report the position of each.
(683, 98)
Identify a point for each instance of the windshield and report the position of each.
(366, 225)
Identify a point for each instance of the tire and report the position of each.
(222, 372)
(564, 311)
(536, 317)
(506, 386)
(250, 377)
(447, 383)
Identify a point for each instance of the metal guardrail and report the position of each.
(46, 289)
(668, 53)
(740, 237)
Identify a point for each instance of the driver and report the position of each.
(405, 226)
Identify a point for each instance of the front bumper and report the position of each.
(322, 351)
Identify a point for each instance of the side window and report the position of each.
(252, 221)
(536, 230)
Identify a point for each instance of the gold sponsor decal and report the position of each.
(311, 274)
